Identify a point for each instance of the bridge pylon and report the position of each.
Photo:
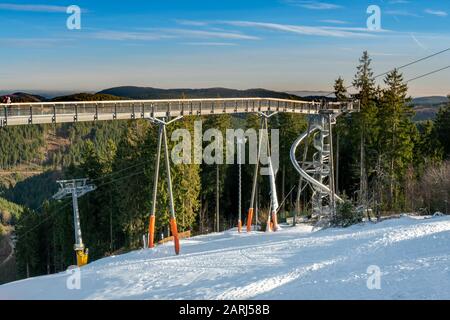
(272, 217)
(162, 140)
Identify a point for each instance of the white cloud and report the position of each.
(333, 21)
(305, 30)
(126, 35)
(402, 13)
(34, 42)
(398, 2)
(32, 7)
(212, 44)
(191, 23)
(418, 42)
(161, 34)
(314, 5)
(331, 31)
(353, 29)
(438, 13)
(210, 34)
(385, 54)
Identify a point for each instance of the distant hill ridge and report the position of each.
(130, 92)
(87, 97)
(426, 108)
(156, 93)
(430, 100)
(25, 97)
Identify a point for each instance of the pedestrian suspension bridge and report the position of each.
(317, 172)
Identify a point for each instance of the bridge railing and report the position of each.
(54, 112)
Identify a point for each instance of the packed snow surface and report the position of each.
(413, 255)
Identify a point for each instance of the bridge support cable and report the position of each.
(162, 140)
(76, 188)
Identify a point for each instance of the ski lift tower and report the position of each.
(75, 188)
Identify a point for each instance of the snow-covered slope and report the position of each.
(295, 263)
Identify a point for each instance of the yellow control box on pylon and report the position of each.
(82, 257)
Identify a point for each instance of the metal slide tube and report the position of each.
(300, 182)
(300, 170)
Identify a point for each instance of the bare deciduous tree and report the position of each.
(434, 188)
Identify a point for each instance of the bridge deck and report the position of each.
(81, 111)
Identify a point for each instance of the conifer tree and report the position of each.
(27, 248)
(341, 94)
(396, 139)
(442, 128)
(209, 176)
(340, 91)
(365, 84)
(133, 186)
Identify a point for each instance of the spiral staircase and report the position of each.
(317, 171)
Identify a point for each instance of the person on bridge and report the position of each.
(6, 100)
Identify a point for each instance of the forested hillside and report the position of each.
(118, 158)
(388, 161)
(9, 215)
(155, 93)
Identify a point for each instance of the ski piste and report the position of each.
(295, 263)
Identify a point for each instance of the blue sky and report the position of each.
(275, 44)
